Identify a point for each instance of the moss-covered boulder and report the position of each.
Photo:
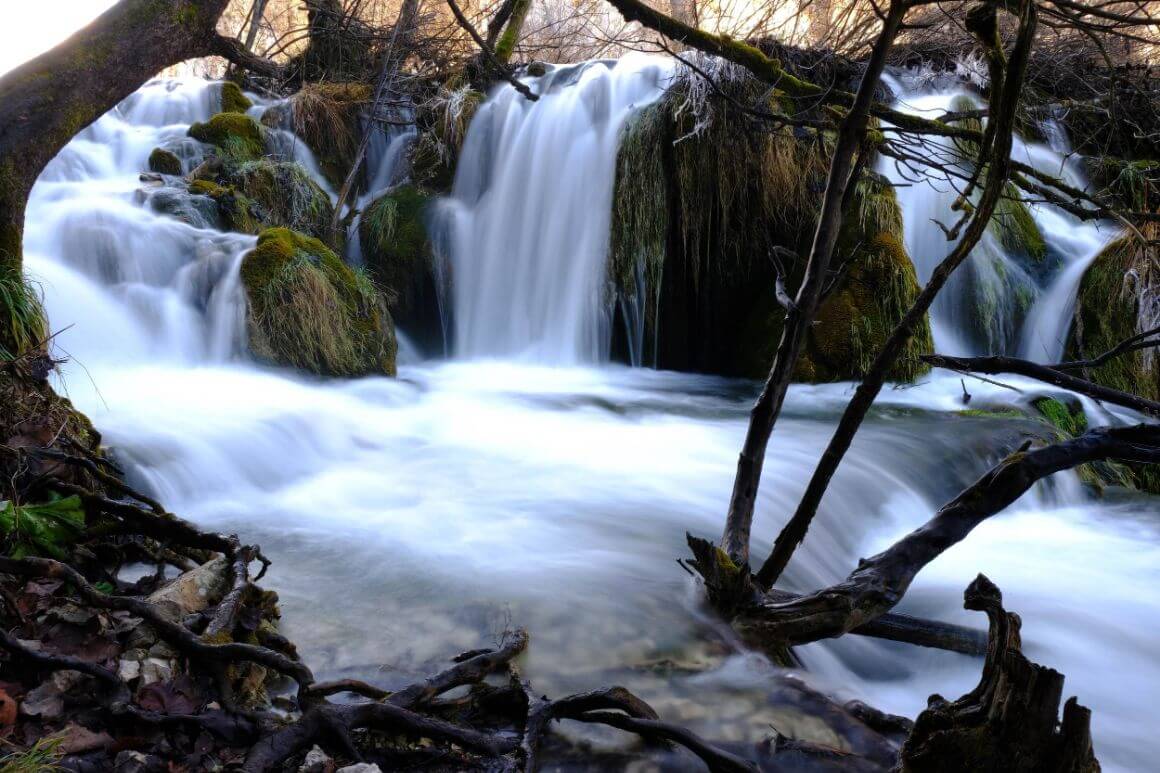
(236, 136)
(442, 123)
(286, 196)
(309, 310)
(1114, 303)
(256, 195)
(233, 100)
(327, 117)
(398, 253)
(162, 161)
(710, 210)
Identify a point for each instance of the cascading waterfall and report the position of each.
(1000, 301)
(527, 224)
(382, 501)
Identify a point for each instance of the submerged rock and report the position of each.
(309, 310)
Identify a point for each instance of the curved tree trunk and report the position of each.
(51, 98)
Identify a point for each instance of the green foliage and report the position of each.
(443, 121)
(1071, 420)
(42, 757)
(233, 100)
(23, 324)
(43, 529)
(162, 161)
(236, 136)
(309, 310)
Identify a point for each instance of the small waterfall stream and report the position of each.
(529, 282)
(383, 502)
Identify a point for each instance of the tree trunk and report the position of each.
(51, 98)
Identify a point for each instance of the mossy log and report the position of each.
(309, 310)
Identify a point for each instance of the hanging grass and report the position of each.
(24, 325)
(328, 118)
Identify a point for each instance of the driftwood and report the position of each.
(1009, 721)
(879, 582)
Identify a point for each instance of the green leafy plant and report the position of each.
(42, 529)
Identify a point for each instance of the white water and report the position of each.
(527, 282)
(413, 518)
(984, 308)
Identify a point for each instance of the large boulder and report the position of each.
(710, 210)
(399, 256)
(309, 310)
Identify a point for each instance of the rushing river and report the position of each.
(412, 518)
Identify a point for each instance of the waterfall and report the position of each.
(382, 502)
(527, 224)
(1000, 300)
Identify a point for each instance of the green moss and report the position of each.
(309, 310)
(992, 413)
(394, 240)
(1069, 419)
(1109, 310)
(233, 100)
(1130, 185)
(238, 137)
(285, 196)
(506, 45)
(162, 161)
(237, 212)
(1014, 226)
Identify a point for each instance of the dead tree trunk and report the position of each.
(1008, 722)
(51, 98)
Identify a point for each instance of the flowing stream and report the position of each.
(413, 518)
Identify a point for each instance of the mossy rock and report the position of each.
(286, 196)
(236, 136)
(327, 117)
(1068, 417)
(162, 161)
(393, 234)
(233, 100)
(1015, 227)
(1108, 311)
(256, 195)
(309, 310)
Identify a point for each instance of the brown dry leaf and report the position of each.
(176, 697)
(7, 711)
